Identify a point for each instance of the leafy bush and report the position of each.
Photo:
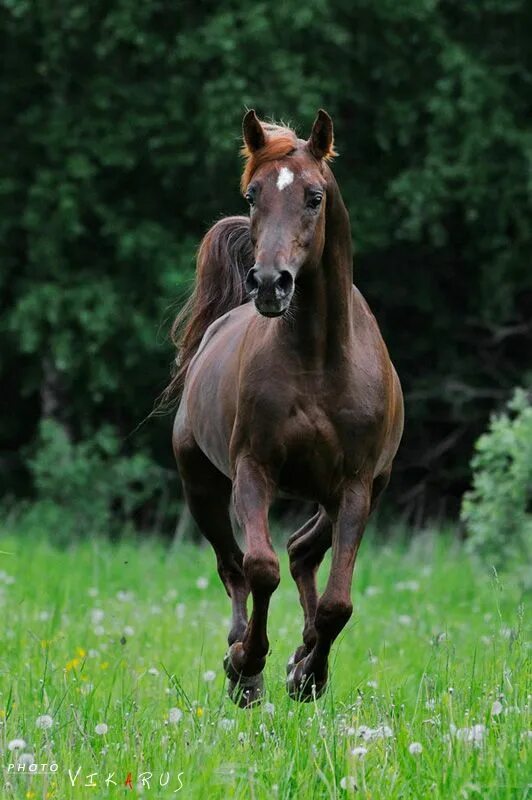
(87, 487)
(497, 510)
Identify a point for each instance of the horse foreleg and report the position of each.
(306, 548)
(208, 494)
(309, 676)
(246, 659)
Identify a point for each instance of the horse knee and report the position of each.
(262, 571)
(332, 616)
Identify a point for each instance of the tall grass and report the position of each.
(110, 664)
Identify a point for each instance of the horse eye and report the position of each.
(249, 197)
(314, 201)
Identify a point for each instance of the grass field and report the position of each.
(110, 662)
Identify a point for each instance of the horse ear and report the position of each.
(321, 141)
(253, 132)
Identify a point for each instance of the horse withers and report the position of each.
(285, 385)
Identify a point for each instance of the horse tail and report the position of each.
(224, 258)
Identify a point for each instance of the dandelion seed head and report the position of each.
(16, 744)
(44, 722)
(97, 615)
(415, 748)
(348, 783)
(496, 708)
(101, 728)
(174, 715)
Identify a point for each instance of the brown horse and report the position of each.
(293, 392)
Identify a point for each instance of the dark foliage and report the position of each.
(120, 136)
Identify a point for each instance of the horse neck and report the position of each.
(322, 317)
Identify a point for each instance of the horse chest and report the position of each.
(312, 446)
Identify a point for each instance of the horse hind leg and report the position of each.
(208, 493)
(309, 676)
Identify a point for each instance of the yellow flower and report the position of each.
(81, 652)
(104, 665)
(72, 664)
(30, 794)
(199, 711)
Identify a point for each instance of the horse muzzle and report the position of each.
(271, 291)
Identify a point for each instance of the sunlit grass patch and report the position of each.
(111, 665)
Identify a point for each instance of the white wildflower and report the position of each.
(16, 744)
(97, 615)
(496, 708)
(404, 619)
(128, 630)
(348, 783)
(44, 721)
(153, 671)
(27, 759)
(202, 583)
(475, 734)
(101, 728)
(174, 715)
(227, 724)
(209, 676)
(269, 708)
(415, 748)
(359, 751)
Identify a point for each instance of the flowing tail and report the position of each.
(224, 258)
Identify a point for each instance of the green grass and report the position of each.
(433, 643)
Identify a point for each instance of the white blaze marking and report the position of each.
(286, 176)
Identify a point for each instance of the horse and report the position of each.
(286, 388)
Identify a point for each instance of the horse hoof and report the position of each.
(248, 691)
(244, 690)
(295, 658)
(302, 687)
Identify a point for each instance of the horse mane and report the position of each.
(280, 142)
(224, 258)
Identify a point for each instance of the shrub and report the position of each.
(87, 487)
(497, 509)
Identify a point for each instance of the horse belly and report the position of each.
(211, 399)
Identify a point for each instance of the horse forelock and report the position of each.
(280, 142)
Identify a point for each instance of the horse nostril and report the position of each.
(285, 282)
(251, 283)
